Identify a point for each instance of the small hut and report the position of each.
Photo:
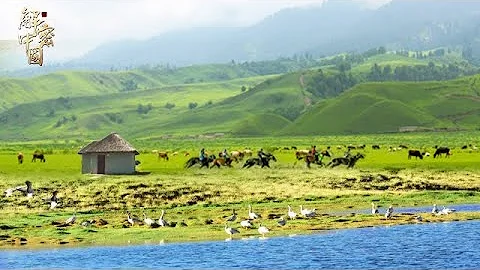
(110, 155)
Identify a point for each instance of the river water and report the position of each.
(420, 246)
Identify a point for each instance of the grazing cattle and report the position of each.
(257, 161)
(415, 153)
(442, 150)
(20, 158)
(464, 147)
(187, 154)
(163, 155)
(196, 160)
(375, 147)
(286, 148)
(361, 146)
(350, 161)
(237, 156)
(38, 155)
(402, 146)
(174, 153)
(351, 147)
(293, 148)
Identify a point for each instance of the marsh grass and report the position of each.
(198, 197)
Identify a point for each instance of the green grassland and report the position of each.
(386, 106)
(76, 104)
(203, 198)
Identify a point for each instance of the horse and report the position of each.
(301, 154)
(20, 158)
(163, 155)
(237, 156)
(38, 155)
(196, 160)
(349, 161)
(222, 162)
(257, 161)
(309, 159)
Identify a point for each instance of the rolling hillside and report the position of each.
(388, 106)
(232, 99)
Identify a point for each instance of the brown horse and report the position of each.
(237, 156)
(163, 155)
(222, 162)
(20, 158)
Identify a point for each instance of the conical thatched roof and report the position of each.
(113, 143)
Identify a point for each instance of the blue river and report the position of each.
(418, 246)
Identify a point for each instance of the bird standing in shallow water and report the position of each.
(389, 212)
(263, 230)
(435, 209)
(230, 231)
(374, 209)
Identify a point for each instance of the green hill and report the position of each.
(389, 106)
(230, 98)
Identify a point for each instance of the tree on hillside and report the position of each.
(170, 105)
(244, 88)
(192, 105)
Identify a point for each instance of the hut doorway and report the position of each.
(101, 164)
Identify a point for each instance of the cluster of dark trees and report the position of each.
(418, 72)
(323, 85)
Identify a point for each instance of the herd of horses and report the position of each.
(264, 160)
(36, 155)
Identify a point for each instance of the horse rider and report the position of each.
(202, 155)
(314, 152)
(262, 156)
(225, 154)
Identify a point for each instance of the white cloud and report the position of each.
(80, 25)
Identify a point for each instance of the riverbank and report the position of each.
(204, 199)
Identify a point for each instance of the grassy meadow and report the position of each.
(204, 198)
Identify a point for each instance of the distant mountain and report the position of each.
(336, 26)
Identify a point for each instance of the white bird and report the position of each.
(54, 200)
(281, 221)
(418, 218)
(10, 191)
(446, 211)
(230, 231)
(162, 222)
(435, 209)
(307, 212)
(147, 220)
(27, 191)
(291, 214)
(263, 230)
(251, 214)
(246, 224)
(71, 220)
(374, 209)
(233, 217)
(131, 219)
(389, 212)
